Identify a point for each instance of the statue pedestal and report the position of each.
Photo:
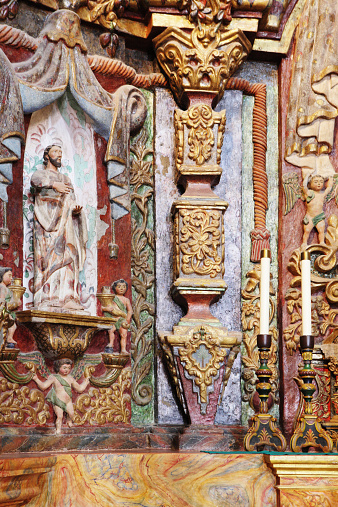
(62, 334)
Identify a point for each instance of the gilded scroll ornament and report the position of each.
(324, 287)
(21, 404)
(202, 130)
(107, 12)
(142, 255)
(202, 358)
(105, 405)
(200, 237)
(202, 351)
(203, 60)
(250, 324)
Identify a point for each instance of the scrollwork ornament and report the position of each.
(324, 288)
(200, 242)
(250, 324)
(107, 12)
(142, 254)
(22, 405)
(105, 405)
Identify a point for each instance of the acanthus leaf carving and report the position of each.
(201, 61)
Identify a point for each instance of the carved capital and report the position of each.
(200, 61)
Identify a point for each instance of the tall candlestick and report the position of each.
(265, 291)
(306, 293)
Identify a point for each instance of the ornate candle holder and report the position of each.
(263, 430)
(309, 431)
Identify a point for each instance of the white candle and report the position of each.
(305, 264)
(265, 292)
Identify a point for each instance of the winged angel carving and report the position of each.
(315, 192)
(61, 382)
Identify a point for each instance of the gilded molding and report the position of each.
(202, 130)
(200, 61)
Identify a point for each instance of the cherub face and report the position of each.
(120, 288)
(65, 369)
(317, 183)
(7, 278)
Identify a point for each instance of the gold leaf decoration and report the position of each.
(105, 405)
(200, 241)
(250, 324)
(22, 405)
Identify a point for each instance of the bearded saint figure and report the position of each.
(60, 237)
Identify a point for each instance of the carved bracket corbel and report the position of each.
(197, 358)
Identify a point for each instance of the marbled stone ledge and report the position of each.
(161, 438)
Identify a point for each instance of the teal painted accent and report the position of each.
(202, 356)
(62, 105)
(80, 166)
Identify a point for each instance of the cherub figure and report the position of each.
(121, 308)
(6, 299)
(315, 193)
(60, 396)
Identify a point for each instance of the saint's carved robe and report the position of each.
(59, 242)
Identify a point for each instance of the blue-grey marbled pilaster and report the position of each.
(228, 309)
(168, 313)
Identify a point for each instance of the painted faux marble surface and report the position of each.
(158, 480)
(65, 124)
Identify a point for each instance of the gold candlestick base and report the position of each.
(263, 430)
(309, 431)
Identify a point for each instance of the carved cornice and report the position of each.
(201, 61)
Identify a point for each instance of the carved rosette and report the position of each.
(198, 358)
(199, 138)
(202, 60)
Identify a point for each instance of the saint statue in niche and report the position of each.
(60, 237)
